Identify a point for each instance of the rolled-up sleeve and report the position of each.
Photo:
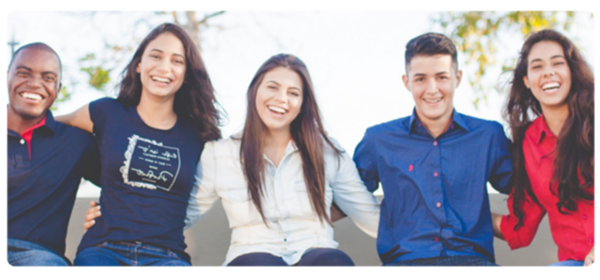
(352, 196)
(203, 194)
(522, 237)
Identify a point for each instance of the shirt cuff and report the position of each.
(511, 236)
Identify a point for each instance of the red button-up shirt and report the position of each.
(573, 233)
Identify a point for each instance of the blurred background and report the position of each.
(355, 58)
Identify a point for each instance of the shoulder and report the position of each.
(105, 103)
(397, 126)
(75, 134)
(489, 126)
(229, 146)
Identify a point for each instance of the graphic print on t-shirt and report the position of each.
(150, 164)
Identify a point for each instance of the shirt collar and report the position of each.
(457, 119)
(49, 123)
(539, 130)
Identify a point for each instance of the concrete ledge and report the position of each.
(208, 239)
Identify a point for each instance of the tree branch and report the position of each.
(205, 19)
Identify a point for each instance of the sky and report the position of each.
(355, 58)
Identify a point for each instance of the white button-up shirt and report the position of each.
(293, 226)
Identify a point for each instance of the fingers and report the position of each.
(88, 225)
(91, 214)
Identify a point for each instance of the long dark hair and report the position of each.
(194, 100)
(307, 133)
(575, 145)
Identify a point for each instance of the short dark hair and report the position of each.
(429, 44)
(38, 46)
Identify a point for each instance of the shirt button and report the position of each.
(436, 239)
(22, 141)
(585, 217)
(435, 143)
(591, 239)
(439, 204)
(435, 174)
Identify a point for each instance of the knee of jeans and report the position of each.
(37, 258)
(175, 263)
(95, 258)
(334, 256)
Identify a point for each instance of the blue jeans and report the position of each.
(567, 263)
(128, 254)
(447, 261)
(25, 253)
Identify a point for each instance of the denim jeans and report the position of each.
(25, 253)
(567, 263)
(128, 254)
(447, 261)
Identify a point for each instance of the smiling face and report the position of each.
(162, 67)
(548, 75)
(33, 82)
(432, 81)
(279, 98)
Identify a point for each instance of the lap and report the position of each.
(257, 259)
(128, 254)
(25, 253)
(567, 263)
(325, 257)
(447, 261)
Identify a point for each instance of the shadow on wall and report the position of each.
(208, 239)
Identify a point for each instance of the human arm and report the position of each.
(80, 118)
(502, 167)
(523, 236)
(91, 214)
(496, 221)
(203, 194)
(589, 259)
(353, 197)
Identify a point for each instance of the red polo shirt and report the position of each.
(573, 233)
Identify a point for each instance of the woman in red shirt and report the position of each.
(553, 155)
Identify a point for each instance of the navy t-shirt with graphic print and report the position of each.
(147, 176)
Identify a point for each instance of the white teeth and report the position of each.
(158, 79)
(276, 109)
(32, 96)
(550, 86)
(433, 100)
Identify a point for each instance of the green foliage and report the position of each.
(63, 96)
(477, 36)
(99, 77)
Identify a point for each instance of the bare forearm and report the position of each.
(496, 221)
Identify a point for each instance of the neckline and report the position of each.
(139, 118)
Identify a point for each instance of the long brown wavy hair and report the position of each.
(575, 146)
(195, 99)
(307, 133)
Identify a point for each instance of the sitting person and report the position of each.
(150, 140)
(46, 160)
(433, 167)
(553, 153)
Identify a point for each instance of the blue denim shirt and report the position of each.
(435, 197)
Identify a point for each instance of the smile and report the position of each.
(429, 100)
(32, 96)
(550, 86)
(161, 80)
(277, 109)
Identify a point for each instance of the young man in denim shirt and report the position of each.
(434, 166)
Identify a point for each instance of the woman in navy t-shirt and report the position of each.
(150, 140)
